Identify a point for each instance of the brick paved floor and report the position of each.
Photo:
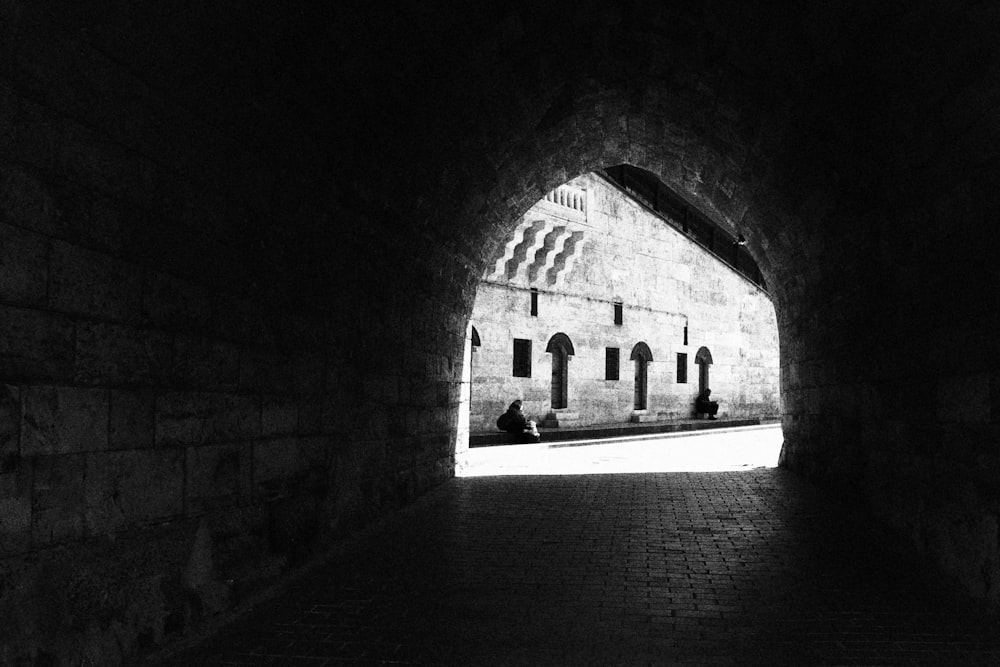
(751, 567)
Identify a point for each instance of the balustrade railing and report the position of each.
(568, 197)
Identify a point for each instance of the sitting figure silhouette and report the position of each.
(704, 404)
(514, 422)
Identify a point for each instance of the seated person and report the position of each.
(703, 404)
(514, 422)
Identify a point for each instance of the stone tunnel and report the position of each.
(240, 243)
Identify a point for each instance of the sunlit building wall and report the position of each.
(598, 311)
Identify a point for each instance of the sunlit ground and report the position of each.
(740, 448)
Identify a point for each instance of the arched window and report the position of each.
(475, 338)
(641, 355)
(704, 359)
(561, 348)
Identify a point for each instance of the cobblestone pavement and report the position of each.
(749, 567)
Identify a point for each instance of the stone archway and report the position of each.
(785, 138)
(561, 348)
(642, 356)
(703, 359)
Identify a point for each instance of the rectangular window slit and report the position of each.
(611, 366)
(522, 358)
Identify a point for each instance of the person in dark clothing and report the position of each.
(514, 422)
(704, 404)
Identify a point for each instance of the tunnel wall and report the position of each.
(192, 401)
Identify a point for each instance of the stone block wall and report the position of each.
(172, 400)
(140, 403)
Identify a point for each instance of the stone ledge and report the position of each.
(613, 430)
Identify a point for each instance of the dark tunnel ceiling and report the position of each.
(329, 85)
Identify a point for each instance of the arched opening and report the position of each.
(601, 292)
(560, 378)
(561, 349)
(639, 401)
(474, 343)
(703, 359)
(642, 357)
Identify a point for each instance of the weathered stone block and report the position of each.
(279, 416)
(103, 165)
(175, 304)
(372, 388)
(54, 526)
(88, 219)
(101, 506)
(133, 486)
(334, 371)
(15, 510)
(23, 266)
(290, 465)
(197, 418)
(35, 141)
(57, 513)
(309, 373)
(15, 525)
(299, 330)
(121, 354)
(265, 372)
(61, 420)
(275, 461)
(25, 201)
(205, 364)
(310, 416)
(35, 345)
(241, 320)
(132, 424)
(151, 483)
(963, 399)
(10, 428)
(213, 476)
(245, 487)
(91, 284)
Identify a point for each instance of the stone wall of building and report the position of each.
(584, 248)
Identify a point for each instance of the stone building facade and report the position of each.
(598, 310)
